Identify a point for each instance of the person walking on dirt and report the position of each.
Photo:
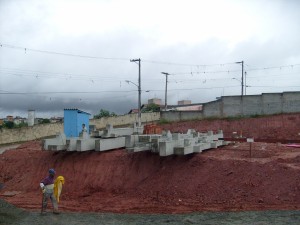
(47, 186)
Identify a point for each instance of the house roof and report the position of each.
(133, 111)
(79, 111)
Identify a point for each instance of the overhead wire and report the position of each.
(26, 49)
(61, 53)
(201, 70)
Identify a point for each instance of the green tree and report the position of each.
(44, 121)
(104, 113)
(21, 125)
(9, 124)
(151, 108)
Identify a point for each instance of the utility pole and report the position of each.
(166, 90)
(242, 78)
(245, 83)
(139, 90)
(242, 83)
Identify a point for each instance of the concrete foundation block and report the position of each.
(189, 141)
(201, 147)
(138, 130)
(97, 133)
(60, 139)
(57, 147)
(209, 133)
(220, 142)
(183, 150)
(116, 132)
(213, 145)
(109, 143)
(85, 144)
(166, 148)
(155, 144)
(167, 135)
(145, 147)
(178, 136)
(216, 144)
(131, 140)
(226, 143)
(196, 149)
(144, 138)
(71, 144)
(217, 137)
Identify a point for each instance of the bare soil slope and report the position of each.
(116, 181)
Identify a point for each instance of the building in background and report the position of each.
(9, 118)
(19, 120)
(31, 117)
(156, 101)
(56, 119)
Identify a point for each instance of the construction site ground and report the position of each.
(224, 183)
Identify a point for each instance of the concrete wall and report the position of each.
(265, 104)
(45, 130)
(291, 102)
(125, 119)
(231, 106)
(272, 103)
(172, 116)
(212, 109)
(29, 133)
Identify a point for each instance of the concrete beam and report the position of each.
(166, 148)
(109, 143)
(71, 144)
(57, 147)
(183, 150)
(85, 144)
(60, 139)
(131, 140)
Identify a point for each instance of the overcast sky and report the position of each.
(58, 54)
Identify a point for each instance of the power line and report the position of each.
(184, 64)
(233, 71)
(60, 92)
(274, 67)
(61, 53)
(93, 78)
(274, 86)
(25, 49)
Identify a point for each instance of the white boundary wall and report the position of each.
(39, 131)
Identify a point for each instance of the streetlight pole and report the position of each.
(242, 62)
(241, 82)
(166, 91)
(139, 90)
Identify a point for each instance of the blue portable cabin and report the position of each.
(73, 120)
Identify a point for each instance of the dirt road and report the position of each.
(14, 216)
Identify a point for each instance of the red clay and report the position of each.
(216, 180)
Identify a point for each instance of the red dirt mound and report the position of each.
(286, 126)
(117, 181)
